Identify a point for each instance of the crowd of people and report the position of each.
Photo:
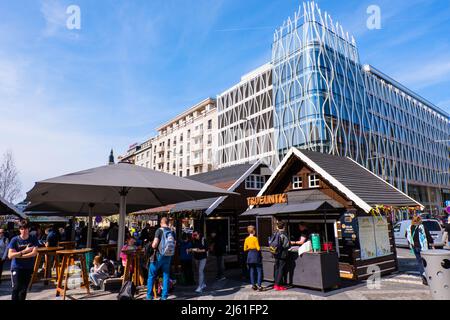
(160, 246)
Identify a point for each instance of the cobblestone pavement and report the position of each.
(403, 285)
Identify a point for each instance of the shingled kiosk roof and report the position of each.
(227, 178)
(358, 184)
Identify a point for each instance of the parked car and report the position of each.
(434, 227)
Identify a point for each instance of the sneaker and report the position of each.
(254, 287)
(260, 289)
(279, 288)
(199, 290)
(424, 281)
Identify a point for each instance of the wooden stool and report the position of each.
(133, 257)
(46, 253)
(67, 256)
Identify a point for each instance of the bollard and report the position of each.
(437, 269)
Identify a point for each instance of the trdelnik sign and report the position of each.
(267, 200)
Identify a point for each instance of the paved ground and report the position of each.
(405, 284)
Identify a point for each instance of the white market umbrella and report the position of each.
(129, 187)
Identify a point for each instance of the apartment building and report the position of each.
(184, 146)
(245, 115)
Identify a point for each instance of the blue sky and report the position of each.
(68, 96)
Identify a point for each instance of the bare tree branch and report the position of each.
(10, 186)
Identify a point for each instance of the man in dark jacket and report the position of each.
(281, 257)
(218, 249)
(145, 234)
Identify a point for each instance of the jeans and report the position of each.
(280, 271)
(162, 262)
(97, 278)
(200, 265)
(20, 280)
(419, 261)
(255, 267)
(220, 266)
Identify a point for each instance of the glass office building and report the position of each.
(325, 100)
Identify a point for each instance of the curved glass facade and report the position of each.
(326, 101)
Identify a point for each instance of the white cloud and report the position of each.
(436, 70)
(54, 13)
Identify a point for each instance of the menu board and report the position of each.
(367, 240)
(374, 237)
(382, 236)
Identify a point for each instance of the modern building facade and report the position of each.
(184, 146)
(245, 120)
(325, 100)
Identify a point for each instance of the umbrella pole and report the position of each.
(122, 214)
(89, 231)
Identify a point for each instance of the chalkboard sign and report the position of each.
(349, 229)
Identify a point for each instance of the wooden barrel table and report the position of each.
(46, 253)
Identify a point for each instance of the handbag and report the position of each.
(127, 291)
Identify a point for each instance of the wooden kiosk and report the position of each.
(341, 201)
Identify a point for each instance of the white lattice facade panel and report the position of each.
(326, 101)
(245, 115)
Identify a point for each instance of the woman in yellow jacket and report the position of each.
(254, 258)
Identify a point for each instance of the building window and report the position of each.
(187, 172)
(314, 181)
(255, 182)
(209, 124)
(297, 183)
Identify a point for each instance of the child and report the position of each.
(130, 245)
(99, 272)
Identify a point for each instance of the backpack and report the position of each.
(110, 266)
(127, 291)
(167, 245)
(275, 244)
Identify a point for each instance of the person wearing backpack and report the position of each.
(279, 247)
(164, 244)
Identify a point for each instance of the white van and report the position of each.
(435, 228)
